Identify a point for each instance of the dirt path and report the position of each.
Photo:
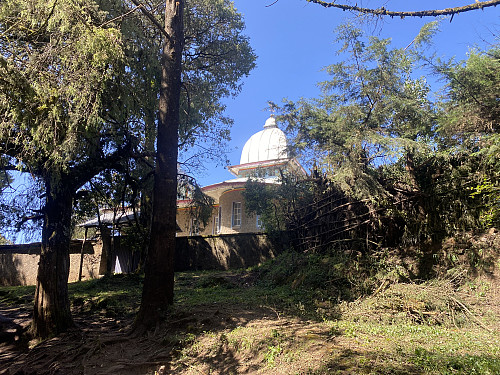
(13, 322)
(103, 346)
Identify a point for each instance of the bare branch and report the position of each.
(270, 5)
(421, 13)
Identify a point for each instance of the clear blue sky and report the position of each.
(294, 40)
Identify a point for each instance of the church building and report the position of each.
(264, 157)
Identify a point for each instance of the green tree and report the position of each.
(470, 125)
(417, 167)
(371, 112)
(59, 65)
(216, 55)
(158, 290)
(99, 92)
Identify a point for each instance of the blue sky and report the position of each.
(294, 40)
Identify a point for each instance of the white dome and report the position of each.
(268, 144)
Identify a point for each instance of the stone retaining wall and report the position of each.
(222, 252)
(19, 263)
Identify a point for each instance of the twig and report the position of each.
(422, 13)
(122, 16)
(470, 313)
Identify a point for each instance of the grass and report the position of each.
(296, 322)
(16, 295)
(114, 296)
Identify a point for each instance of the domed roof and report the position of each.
(268, 144)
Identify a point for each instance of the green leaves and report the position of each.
(472, 104)
(371, 112)
(429, 167)
(217, 56)
(59, 62)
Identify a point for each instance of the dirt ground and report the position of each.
(224, 339)
(104, 346)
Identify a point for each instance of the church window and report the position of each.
(258, 222)
(236, 214)
(217, 221)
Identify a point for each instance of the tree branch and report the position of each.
(122, 16)
(421, 13)
(153, 19)
(25, 219)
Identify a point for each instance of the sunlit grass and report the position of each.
(376, 343)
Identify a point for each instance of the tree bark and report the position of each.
(147, 188)
(158, 291)
(52, 313)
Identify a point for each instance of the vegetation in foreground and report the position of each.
(299, 314)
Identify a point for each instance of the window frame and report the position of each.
(217, 222)
(258, 222)
(195, 229)
(236, 215)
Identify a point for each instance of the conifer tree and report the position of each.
(58, 65)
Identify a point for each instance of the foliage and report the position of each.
(430, 303)
(264, 200)
(371, 112)
(201, 207)
(470, 125)
(217, 55)
(472, 106)
(393, 164)
(61, 67)
(59, 70)
(310, 214)
(325, 279)
(228, 321)
(54, 73)
(488, 194)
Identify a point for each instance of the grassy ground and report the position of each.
(277, 319)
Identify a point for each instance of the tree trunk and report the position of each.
(107, 256)
(147, 189)
(158, 291)
(51, 313)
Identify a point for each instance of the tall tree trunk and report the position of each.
(158, 291)
(147, 188)
(51, 313)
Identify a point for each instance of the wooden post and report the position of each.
(81, 254)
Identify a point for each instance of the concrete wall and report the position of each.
(222, 252)
(19, 263)
(248, 222)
